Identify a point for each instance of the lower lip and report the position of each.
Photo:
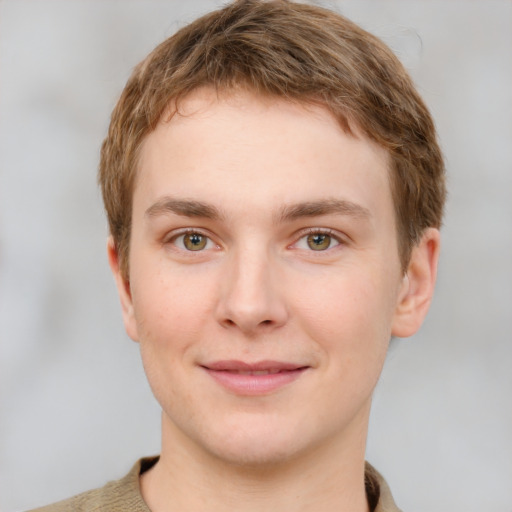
(252, 385)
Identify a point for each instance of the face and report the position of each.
(265, 280)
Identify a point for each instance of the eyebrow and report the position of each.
(323, 207)
(193, 208)
(183, 207)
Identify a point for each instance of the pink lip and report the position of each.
(252, 381)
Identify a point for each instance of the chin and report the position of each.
(254, 453)
(257, 444)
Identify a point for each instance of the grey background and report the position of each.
(75, 407)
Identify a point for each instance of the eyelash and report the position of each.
(334, 236)
(188, 231)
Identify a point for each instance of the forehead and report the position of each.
(241, 145)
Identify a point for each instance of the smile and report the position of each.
(251, 379)
(256, 372)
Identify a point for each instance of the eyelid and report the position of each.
(173, 235)
(322, 231)
(335, 235)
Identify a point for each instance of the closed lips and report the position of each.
(259, 378)
(258, 368)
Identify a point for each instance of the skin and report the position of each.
(256, 177)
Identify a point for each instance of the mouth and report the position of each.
(250, 379)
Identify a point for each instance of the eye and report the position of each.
(193, 241)
(317, 241)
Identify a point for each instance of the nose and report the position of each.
(250, 296)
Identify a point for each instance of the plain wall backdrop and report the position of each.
(75, 407)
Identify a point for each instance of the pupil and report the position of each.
(319, 242)
(195, 241)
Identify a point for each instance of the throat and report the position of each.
(252, 489)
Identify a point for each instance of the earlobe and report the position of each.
(123, 288)
(418, 286)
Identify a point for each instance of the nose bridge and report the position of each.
(251, 296)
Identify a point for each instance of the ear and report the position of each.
(418, 284)
(123, 288)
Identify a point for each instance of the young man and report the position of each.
(274, 190)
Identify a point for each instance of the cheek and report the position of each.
(171, 304)
(349, 317)
(171, 310)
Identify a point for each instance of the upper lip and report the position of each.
(234, 365)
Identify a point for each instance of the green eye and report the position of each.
(319, 241)
(194, 241)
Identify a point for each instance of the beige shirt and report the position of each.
(124, 495)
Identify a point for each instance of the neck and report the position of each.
(328, 477)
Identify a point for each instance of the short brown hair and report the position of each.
(300, 52)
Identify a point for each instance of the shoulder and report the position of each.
(117, 496)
